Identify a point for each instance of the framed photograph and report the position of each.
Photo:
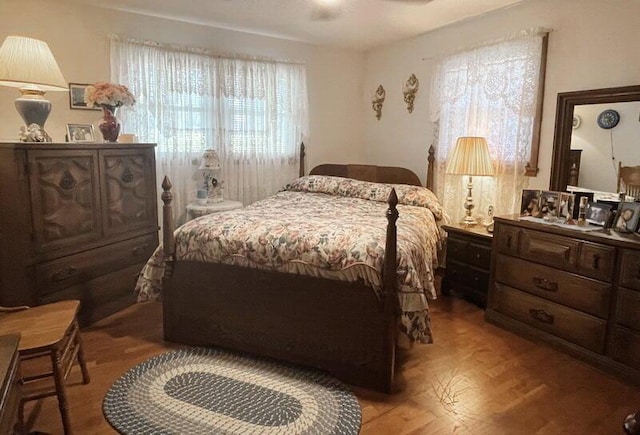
(80, 133)
(567, 204)
(627, 217)
(549, 203)
(76, 97)
(530, 205)
(598, 213)
(576, 201)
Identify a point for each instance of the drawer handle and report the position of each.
(63, 274)
(541, 315)
(139, 250)
(545, 284)
(596, 261)
(478, 256)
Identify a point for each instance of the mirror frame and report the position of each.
(564, 125)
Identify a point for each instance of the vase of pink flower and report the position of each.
(109, 97)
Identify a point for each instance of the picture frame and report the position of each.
(567, 205)
(627, 217)
(530, 203)
(576, 201)
(598, 213)
(549, 204)
(80, 133)
(76, 97)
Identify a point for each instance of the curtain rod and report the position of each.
(203, 51)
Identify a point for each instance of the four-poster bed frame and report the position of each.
(341, 327)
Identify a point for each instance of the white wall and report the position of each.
(594, 44)
(77, 35)
(603, 149)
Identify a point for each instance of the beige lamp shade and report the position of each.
(27, 62)
(470, 157)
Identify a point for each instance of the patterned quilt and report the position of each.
(322, 226)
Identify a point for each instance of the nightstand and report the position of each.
(195, 210)
(467, 263)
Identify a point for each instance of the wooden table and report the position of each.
(10, 391)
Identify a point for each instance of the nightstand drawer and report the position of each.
(577, 327)
(479, 256)
(568, 289)
(630, 269)
(456, 271)
(457, 249)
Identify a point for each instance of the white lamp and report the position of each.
(210, 167)
(29, 65)
(470, 157)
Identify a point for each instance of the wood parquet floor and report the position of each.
(475, 379)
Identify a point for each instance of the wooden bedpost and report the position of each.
(390, 283)
(430, 167)
(302, 155)
(168, 239)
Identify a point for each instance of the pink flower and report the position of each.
(108, 94)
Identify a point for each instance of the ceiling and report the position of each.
(355, 24)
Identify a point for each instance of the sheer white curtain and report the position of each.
(489, 91)
(253, 111)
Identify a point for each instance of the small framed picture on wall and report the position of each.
(76, 97)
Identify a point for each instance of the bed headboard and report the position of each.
(378, 174)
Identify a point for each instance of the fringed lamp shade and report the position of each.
(28, 64)
(470, 157)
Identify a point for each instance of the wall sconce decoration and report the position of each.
(410, 89)
(377, 100)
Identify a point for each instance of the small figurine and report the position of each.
(33, 133)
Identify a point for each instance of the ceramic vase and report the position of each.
(109, 125)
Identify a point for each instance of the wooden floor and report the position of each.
(475, 379)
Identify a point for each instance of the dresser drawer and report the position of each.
(479, 256)
(628, 308)
(507, 240)
(457, 272)
(74, 269)
(630, 269)
(596, 261)
(550, 249)
(568, 289)
(574, 326)
(625, 346)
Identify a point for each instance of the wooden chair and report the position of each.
(629, 176)
(47, 331)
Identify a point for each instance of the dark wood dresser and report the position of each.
(9, 377)
(467, 264)
(77, 221)
(577, 290)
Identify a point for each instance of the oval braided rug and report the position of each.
(210, 391)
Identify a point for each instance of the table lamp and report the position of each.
(470, 157)
(210, 167)
(29, 65)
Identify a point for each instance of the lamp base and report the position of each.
(34, 110)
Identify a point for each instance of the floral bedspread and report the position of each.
(322, 226)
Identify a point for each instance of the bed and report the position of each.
(245, 303)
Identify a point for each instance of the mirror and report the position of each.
(591, 138)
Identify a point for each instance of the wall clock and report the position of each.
(608, 119)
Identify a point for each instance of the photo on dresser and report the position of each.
(576, 201)
(530, 205)
(567, 203)
(549, 204)
(627, 217)
(598, 213)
